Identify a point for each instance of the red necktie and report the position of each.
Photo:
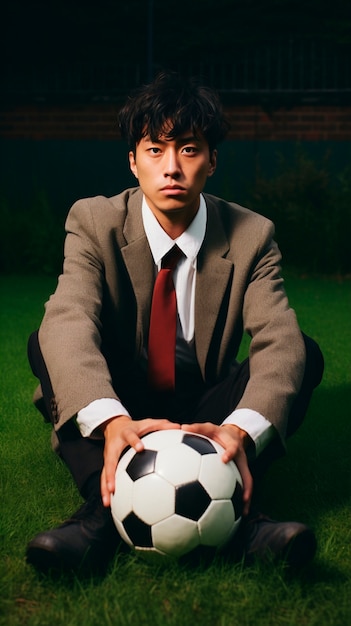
(163, 325)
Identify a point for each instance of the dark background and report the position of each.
(44, 42)
(72, 56)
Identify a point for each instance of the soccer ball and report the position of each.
(176, 495)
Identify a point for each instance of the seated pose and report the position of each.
(114, 365)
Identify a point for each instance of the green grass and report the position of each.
(311, 484)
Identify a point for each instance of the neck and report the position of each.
(176, 222)
(174, 229)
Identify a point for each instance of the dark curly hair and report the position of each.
(173, 105)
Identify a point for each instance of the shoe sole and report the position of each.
(43, 560)
(300, 550)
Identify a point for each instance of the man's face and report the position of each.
(172, 173)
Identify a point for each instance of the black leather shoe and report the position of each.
(87, 540)
(266, 539)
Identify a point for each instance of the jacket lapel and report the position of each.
(213, 275)
(138, 259)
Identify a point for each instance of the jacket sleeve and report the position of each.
(277, 351)
(70, 333)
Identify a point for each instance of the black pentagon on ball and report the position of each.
(201, 445)
(191, 500)
(237, 500)
(142, 463)
(138, 532)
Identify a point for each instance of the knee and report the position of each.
(314, 367)
(33, 353)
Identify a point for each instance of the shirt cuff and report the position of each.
(98, 412)
(257, 427)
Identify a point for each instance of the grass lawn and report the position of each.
(311, 484)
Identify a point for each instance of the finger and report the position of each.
(247, 483)
(232, 451)
(216, 433)
(190, 426)
(112, 454)
(108, 475)
(238, 456)
(162, 424)
(206, 428)
(105, 494)
(150, 425)
(132, 439)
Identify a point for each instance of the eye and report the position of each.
(153, 150)
(189, 149)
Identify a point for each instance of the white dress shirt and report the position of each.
(99, 411)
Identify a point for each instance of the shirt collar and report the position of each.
(189, 242)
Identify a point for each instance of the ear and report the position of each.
(132, 164)
(213, 163)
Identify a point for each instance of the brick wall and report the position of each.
(302, 123)
(98, 121)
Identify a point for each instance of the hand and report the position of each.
(119, 433)
(234, 440)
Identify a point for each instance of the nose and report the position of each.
(171, 163)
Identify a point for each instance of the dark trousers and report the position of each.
(84, 456)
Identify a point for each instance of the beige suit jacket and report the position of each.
(96, 322)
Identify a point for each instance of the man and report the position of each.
(103, 383)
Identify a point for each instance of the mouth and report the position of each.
(172, 188)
